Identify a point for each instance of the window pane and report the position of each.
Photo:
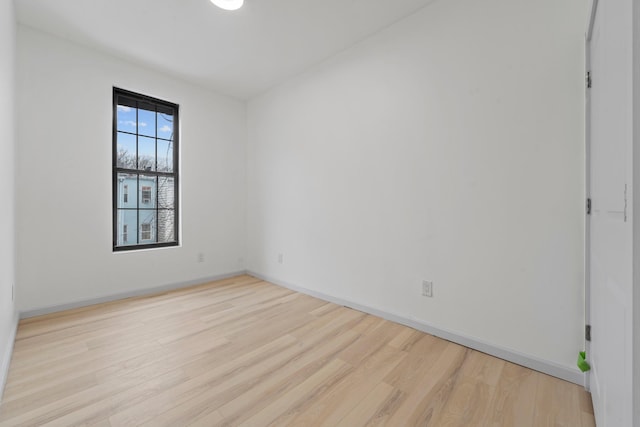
(166, 192)
(146, 119)
(147, 187)
(126, 115)
(147, 226)
(165, 125)
(127, 223)
(165, 156)
(166, 226)
(126, 153)
(146, 153)
(127, 190)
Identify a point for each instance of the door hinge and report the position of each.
(588, 80)
(589, 206)
(587, 332)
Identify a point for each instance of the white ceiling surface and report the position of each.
(239, 53)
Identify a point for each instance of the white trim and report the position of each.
(587, 193)
(532, 362)
(635, 171)
(6, 357)
(113, 297)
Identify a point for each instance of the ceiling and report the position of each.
(240, 53)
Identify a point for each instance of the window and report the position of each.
(146, 195)
(145, 231)
(145, 161)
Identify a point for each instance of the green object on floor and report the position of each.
(582, 362)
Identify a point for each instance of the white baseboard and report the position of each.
(6, 357)
(113, 297)
(532, 362)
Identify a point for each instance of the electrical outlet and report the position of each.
(200, 257)
(427, 288)
(280, 259)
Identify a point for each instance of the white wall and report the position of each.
(448, 147)
(7, 204)
(64, 177)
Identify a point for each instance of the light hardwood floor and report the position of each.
(245, 352)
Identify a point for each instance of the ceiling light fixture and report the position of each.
(228, 4)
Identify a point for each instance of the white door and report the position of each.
(610, 251)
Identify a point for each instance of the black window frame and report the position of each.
(144, 99)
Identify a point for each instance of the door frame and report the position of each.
(635, 215)
(587, 185)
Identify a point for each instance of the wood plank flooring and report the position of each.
(243, 352)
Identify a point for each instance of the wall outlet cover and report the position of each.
(427, 288)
